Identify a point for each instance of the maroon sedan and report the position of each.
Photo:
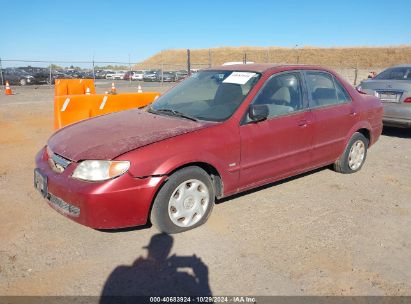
(219, 132)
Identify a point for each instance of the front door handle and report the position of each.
(303, 123)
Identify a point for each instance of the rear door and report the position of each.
(280, 145)
(333, 115)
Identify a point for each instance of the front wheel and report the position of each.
(353, 156)
(23, 82)
(184, 202)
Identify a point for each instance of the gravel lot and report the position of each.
(322, 233)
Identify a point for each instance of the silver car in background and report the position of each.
(393, 87)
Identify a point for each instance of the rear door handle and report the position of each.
(303, 123)
(353, 113)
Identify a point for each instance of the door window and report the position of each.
(282, 94)
(325, 90)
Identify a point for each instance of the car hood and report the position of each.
(108, 136)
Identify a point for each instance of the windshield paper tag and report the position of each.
(239, 77)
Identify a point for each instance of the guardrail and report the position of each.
(72, 104)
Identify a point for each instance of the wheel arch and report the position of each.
(210, 169)
(367, 134)
(362, 127)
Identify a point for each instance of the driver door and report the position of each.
(281, 145)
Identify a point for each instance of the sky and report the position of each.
(118, 30)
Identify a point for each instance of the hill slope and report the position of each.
(349, 57)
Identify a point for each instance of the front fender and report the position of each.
(216, 147)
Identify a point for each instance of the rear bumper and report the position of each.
(397, 115)
(396, 122)
(121, 202)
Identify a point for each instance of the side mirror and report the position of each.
(258, 112)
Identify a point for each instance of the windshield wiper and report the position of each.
(172, 112)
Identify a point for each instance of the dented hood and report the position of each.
(108, 136)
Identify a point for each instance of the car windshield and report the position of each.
(208, 95)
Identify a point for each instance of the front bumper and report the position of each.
(121, 202)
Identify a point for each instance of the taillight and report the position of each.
(359, 90)
(407, 100)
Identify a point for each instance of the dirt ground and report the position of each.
(323, 233)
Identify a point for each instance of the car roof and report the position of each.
(400, 66)
(264, 67)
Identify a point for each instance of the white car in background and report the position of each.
(110, 74)
(118, 75)
(137, 75)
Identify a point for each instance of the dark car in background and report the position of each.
(152, 75)
(58, 75)
(41, 75)
(44, 75)
(181, 74)
(167, 77)
(100, 74)
(128, 75)
(74, 74)
(17, 77)
(393, 87)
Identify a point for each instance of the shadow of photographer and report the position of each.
(158, 274)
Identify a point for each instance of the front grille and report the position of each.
(63, 206)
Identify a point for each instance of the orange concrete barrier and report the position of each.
(72, 108)
(73, 86)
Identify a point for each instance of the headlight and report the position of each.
(99, 170)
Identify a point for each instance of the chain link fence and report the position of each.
(180, 61)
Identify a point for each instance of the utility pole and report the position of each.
(188, 62)
(94, 74)
(298, 53)
(51, 82)
(1, 73)
(129, 69)
(162, 69)
(209, 58)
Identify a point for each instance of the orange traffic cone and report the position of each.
(88, 91)
(8, 91)
(113, 89)
(139, 90)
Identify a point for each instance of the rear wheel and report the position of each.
(354, 155)
(184, 202)
(23, 82)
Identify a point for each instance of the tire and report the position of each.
(354, 155)
(184, 202)
(23, 82)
